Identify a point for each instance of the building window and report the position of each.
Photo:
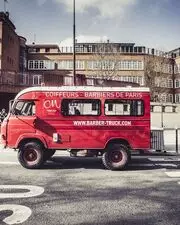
(130, 65)
(162, 97)
(178, 68)
(177, 83)
(47, 49)
(134, 79)
(80, 64)
(169, 98)
(37, 80)
(170, 83)
(36, 64)
(41, 65)
(102, 64)
(37, 50)
(30, 64)
(90, 82)
(177, 98)
(68, 81)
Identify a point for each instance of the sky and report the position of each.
(150, 23)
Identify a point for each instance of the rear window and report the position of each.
(124, 107)
(80, 107)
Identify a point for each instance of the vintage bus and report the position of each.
(99, 121)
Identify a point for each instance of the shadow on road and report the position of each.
(65, 162)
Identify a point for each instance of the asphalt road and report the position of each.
(81, 191)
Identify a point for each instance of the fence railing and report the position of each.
(166, 139)
(113, 48)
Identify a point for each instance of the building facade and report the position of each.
(121, 62)
(104, 64)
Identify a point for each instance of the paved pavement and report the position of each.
(80, 191)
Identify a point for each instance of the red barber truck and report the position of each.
(99, 121)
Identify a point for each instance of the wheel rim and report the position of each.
(30, 155)
(116, 156)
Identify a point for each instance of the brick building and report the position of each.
(10, 59)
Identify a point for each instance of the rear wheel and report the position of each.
(116, 157)
(31, 155)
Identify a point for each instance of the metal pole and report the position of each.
(74, 43)
(5, 1)
(176, 140)
(162, 111)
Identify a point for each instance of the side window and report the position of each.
(124, 107)
(73, 107)
(24, 108)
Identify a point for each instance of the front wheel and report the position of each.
(116, 157)
(31, 155)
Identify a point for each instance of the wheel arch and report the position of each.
(117, 141)
(26, 140)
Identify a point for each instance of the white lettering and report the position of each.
(102, 123)
(62, 94)
(133, 95)
(119, 95)
(51, 104)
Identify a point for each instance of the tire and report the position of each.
(48, 154)
(116, 157)
(31, 155)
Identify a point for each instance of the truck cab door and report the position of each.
(23, 117)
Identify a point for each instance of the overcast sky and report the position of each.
(150, 23)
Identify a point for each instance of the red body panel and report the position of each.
(78, 132)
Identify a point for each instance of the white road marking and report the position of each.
(156, 159)
(141, 164)
(170, 159)
(20, 213)
(33, 191)
(166, 164)
(173, 174)
(9, 163)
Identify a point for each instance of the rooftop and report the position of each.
(4, 17)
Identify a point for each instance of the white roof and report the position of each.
(83, 88)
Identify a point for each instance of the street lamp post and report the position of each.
(74, 43)
(162, 115)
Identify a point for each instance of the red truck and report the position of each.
(100, 121)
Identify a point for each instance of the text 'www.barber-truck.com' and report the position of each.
(102, 123)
